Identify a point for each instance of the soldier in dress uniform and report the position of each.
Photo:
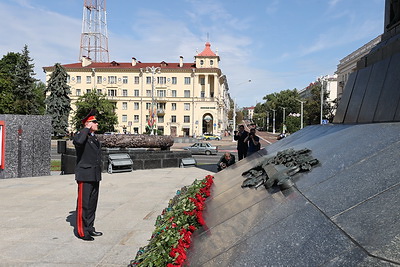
(88, 176)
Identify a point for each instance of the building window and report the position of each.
(136, 79)
(160, 119)
(88, 91)
(148, 105)
(112, 79)
(202, 81)
(112, 92)
(99, 91)
(88, 79)
(173, 93)
(78, 79)
(124, 92)
(68, 79)
(187, 93)
(202, 94)
(186, 119)
(148, 92)
(148, 80)
(173, 118)
(173, 107)
(124, 105)
(161, 80)
(136, 105)
(186, 106)
(136, 129)
(78, 91)
(136, 92)
(187, 80)
(99, 79)
(211, 62)
(124, 79)
(124, 118)
(161, 93)
(135, 118)
(174, 80)
(147, 117)
(201, 62)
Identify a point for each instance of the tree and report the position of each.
(312, 108)
(58, 102)
(7, 82)
(27, 101)
(284, 100)
(105, 111)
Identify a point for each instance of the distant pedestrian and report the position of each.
(88, 176)
(225, 161)
(242, 146)
(253, 141)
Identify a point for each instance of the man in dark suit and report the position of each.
(88, 176)
(242, 146)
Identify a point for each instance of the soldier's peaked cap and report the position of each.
(90, 116)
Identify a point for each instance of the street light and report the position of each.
(273, 120)
(322, 80)
(301, 113)
(153, 70)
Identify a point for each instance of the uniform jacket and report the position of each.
(88, 153)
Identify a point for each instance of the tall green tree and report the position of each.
(312, 107)
(105, 111)
(282, 102)
(8, 64)
(27, 101)
(58, 103)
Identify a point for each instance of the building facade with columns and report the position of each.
(181, 99)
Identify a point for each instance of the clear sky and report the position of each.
(277, 44)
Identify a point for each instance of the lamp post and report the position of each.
(301, 113)
(273, 121)
(322, 96)
(153, 70)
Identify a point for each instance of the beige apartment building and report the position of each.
(187, 99)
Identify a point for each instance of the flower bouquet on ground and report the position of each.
(174, 227)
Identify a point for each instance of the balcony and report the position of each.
(160, 112)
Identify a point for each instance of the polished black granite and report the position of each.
(358, 95)
(343, 213)
(344, 101)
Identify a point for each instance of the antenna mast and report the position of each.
(94, 37)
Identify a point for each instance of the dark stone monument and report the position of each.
(27, 146)
(345, 212)
(372, 92)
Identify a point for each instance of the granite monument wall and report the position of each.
(372, 92)
(343, 212)
(27, 146)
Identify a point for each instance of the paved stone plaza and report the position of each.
(37, 217)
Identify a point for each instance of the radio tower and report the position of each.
(94, 37)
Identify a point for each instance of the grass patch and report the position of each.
(55, 165)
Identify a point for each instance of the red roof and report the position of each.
(127, 65)
(207, 52)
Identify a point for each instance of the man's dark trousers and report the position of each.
(88, 195)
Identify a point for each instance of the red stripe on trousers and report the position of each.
(79, 220)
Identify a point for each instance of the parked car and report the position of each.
(211, 137)
(202, 148)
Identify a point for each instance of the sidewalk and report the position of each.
(37, 216)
